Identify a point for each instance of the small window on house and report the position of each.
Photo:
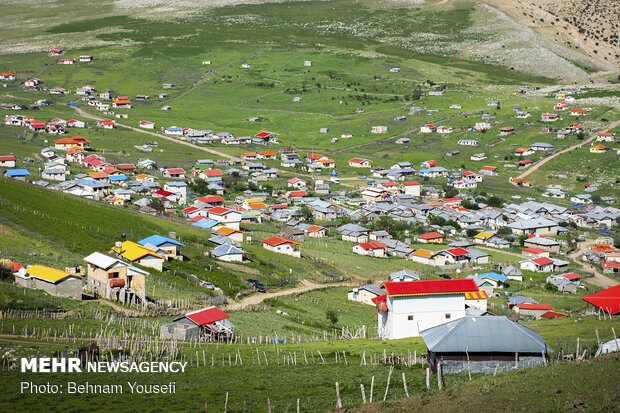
(447, 316)
(410, 317)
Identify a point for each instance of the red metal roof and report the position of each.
(7, 158)
(213, 172)
(219, 210)
(571, 276)
(528, 306)
(430, 235)
(372, 245)
(607, 300)
(542, 261)
(210, 199)
(379, 298)
(357, 160)
(411, 183)
(207, 316)
(457, 251)
(263, 134)
(275, 241)
(175, 171)
(553, 314)
(533, 250)
(297, 193)
(430, 287)
(611, 264)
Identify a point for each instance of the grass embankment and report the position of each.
(589, 386)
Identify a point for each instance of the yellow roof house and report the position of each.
(141, 255)
(48, 274)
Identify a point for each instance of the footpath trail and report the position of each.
(259, 298)
(85, 114)
(599, 279)
(540, 163)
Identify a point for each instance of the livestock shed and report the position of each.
(607, 300)
(211, 321)
(483, 345)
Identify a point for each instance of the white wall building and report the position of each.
(412, 306)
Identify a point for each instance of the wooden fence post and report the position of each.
(338, 401)
(439, 378)
(372, 387)
(405, 385)
(363, 393)
(387, 387)
(428, 378)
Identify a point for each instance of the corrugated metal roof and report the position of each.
(483, 335)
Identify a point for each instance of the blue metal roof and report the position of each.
(205, 223)
(494, 276)
(18, 172)
(159, 240)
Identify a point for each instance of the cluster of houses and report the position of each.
(112, 275)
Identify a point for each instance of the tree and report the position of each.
(495, 201)
(306, 213)
(157, 204)
(503, 231)
(436, 220)
(469, 205)
(471, 233)
(332, 316)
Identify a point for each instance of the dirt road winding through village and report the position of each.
(599, 279)
(85, 114)
(304, 288)
(540, 163)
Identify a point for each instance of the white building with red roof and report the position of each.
(359, 162)
(372, 249)
(282, 246)
(408, 307)
(225, 216)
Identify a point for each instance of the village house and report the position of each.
(282, 246)
(17, 174)
(409, 307)
(227, 252)
(174, 173)
(372, 249)
(138, 254)
(7, 76)
(7, 161)
(166, 246)
(428, 128)
(115, 279)
(70, 143)
(225, 216)
(579, 112)
(359, 163)
(412, 188)
(106, 124)
(430, 237)
(549, 117)
(365, 293)
(54, 282)
(605, 137)
(532, 310)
